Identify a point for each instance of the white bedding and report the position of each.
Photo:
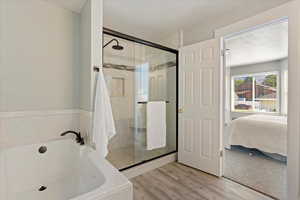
(264, 132)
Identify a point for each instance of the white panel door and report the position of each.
(199, 106)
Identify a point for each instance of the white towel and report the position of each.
(103, 122)
(156, 125)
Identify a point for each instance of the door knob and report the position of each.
(180, 110)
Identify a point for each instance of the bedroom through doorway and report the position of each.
(255, 108)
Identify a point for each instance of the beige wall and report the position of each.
(47, 54)
(85, 57)
(39, 56)
(90, 57)
(172, 41)
(39, 71)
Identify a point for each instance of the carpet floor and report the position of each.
(257, 171)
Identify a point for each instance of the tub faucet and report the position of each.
(79, 138)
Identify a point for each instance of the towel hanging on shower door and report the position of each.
(103, 122)
(156, 125)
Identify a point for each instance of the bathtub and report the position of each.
(63, 170)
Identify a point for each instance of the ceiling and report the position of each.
(155, 19)
(264, 44)
(158, 19)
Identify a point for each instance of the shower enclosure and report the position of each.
(138, 72)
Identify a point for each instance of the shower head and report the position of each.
(115, 47)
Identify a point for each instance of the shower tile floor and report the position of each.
(135, 153)
(127, 156)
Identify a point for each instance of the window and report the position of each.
(142, 82)
(255, 92)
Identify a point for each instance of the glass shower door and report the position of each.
(136, 76)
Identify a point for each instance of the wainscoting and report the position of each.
(3, 188)
(29, 127)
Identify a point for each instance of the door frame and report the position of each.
(289, 11)
(225, 90)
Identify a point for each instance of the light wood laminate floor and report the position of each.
(178, 182)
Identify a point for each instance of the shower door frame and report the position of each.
(157, 46)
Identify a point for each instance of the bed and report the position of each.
(267, 133)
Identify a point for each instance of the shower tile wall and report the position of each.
(122, 104)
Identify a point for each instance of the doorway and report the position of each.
(255, 108)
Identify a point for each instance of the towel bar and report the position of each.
(145, 102)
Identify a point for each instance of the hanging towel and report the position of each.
(156, 125)
(103, 122)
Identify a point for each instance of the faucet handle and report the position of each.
(78, 138)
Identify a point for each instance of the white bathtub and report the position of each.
(68, 170)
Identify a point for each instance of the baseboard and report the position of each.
(141, 169)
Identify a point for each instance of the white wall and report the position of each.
(256, 68)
